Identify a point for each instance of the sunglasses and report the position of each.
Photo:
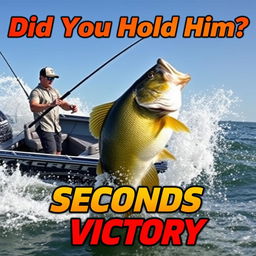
(49, 78)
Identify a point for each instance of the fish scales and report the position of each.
(134, 130)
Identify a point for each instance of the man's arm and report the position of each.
(66, 106)
(37, 107)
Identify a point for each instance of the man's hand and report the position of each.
(65, 105)
(57, 102)
(74, 108)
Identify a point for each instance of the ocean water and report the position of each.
(220, 156)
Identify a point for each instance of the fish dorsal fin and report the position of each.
(165, 154)
(97, 117)
(174, 124)
(151, 179)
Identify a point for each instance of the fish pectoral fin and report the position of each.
(165, 154)
(151, 179)
(99, 169)
(97, 117)
(174, 124)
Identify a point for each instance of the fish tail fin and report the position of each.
(151, 179)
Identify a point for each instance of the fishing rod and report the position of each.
(82, 81)
(14, 75)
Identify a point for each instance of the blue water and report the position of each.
(230, 203)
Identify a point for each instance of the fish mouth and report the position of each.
(161, 111)
(182, 78)
(157, 108)
(165, 65)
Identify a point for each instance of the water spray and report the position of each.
(15, 75)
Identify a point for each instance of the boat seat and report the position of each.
(82, 146)
(91, 150)
(32, 139)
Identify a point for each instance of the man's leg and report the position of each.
(58, 141)
(48, 141)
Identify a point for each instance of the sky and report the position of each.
(213, 63)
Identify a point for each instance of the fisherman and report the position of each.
(41, 98)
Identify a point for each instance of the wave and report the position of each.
(196, 152)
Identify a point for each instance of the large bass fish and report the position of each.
(134, 130)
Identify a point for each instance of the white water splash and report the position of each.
(15, 105)
(195, 151)
(26, 200)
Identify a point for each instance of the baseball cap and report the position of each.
(47, 71)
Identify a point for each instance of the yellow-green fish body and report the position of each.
(134, 130)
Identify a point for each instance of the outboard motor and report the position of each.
(5, 128)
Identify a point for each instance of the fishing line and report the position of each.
(82, 81)
(17, 81)
(14, 75)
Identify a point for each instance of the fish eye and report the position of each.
(151, 74)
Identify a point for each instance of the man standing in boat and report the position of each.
(41, 98)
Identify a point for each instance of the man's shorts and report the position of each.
(51, 141)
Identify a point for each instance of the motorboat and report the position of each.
(76, 164)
